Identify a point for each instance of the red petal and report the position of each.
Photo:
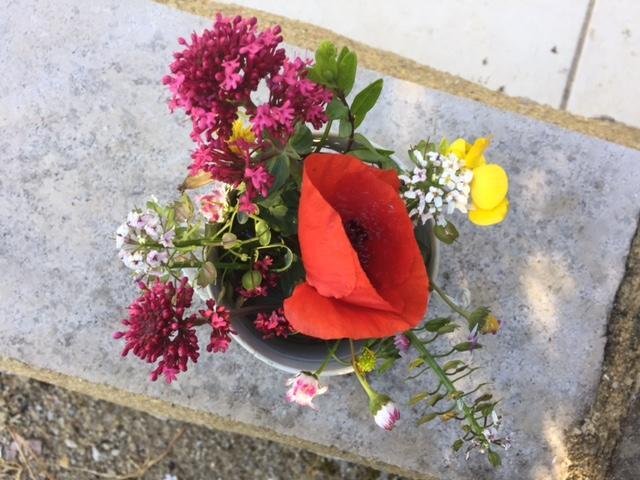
(393, 283)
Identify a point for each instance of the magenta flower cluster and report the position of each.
(273, 325)
(215, 76)
(159, 330)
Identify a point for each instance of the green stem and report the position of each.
(332, 352)
(351, 121)
(324, 137)
(361, 378)
(225, 265)
(460, 311)
(444, 379)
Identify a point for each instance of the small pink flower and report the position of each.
(387, 413)
(213, 206)
(246, 205)
(273, 325)
(219, 318)
(303, 388)
(259, 179)
(402, 343)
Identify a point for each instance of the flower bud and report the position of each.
(303, 388)
(385, 412)
(491, 325)
(251, 280)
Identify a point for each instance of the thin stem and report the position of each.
(444, 379)
(452, 305)
(324, 137)
(331, 354)
(361, 378)
(351, 121)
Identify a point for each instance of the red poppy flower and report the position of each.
(365, 274)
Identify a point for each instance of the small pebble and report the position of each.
(70, 443)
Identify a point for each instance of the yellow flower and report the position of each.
(240, 132)
(489, 185)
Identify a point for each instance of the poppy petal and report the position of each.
(330, 318)
(377, 291)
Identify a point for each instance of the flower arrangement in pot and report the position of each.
(310, 246)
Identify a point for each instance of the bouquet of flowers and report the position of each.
(307, 236)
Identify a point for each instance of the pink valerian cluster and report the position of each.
(217, 72)
(273, 325)
(293, 98)
(219, 318)
(158, 328)
(269, 279)
(215, 75)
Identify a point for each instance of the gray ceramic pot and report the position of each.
(298, 353)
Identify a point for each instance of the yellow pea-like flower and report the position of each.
(490, 183)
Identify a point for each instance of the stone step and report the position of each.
(85, 134)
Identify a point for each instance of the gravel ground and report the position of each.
(49, 433)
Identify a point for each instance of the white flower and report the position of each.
(155, 258)
(387, 413)
(447, 190)
(167, 239)
(122, 235)
(303, 388)
(135, 220)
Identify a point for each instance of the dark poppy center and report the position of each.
(358, 237)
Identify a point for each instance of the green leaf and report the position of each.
(452, 365)
(302, 140)
(444, 146)
(375, 155)
(343, 52)
(494, 458)
(345, 128)
(365, 100)
(347, 66)
(435, 399)
(242, 218)
(184, 209)
(478, 317)
(418, 398)
(466, 346)
(457, 445)
(279, 211)
(336, 110)
(416, 363)
(427, 418)
(435, 324)
(326, 63)
(279, 168)
(386, 365)
(483, 398)
(263, 232)
(447, 328)
(447, 234)
(207, 274)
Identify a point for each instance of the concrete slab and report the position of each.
(85, 134)
(522, 48)
(608, 75)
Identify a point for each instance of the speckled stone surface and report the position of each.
(85, 134)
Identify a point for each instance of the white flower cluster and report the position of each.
(446, 190)
(138, 240)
